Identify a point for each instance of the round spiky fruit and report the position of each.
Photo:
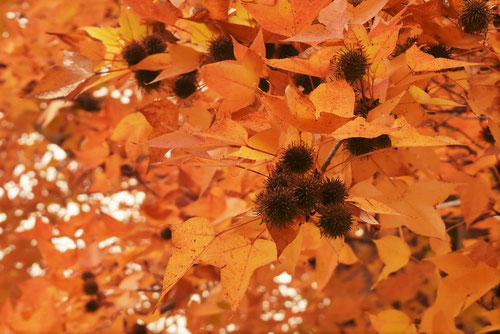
(277, 208)
(306, 190)
(186, 84)
(475, 15)
(352, 64)
(166, 233)
(308, 83)
(221, 48)
(286, 51)
(139, 329)
(86, 275)
(88, 102)
(401, 48)
(144, 78)
(359, 146)
(438, 51)
(487, 136)
(264, 85)
(335, 221)
(133, 53)
(277, 179)
(333, 191)
(91, 306)
(153, 44)
(297, 158)
(90, 287)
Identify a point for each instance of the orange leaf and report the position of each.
(365, 11)
(284, 17)
(284, 236)
(191, 239)
(162, 11)
(419, 61)
(238, 257)
(318, 64)
(392, 321)
(395, 254)
(334, 97)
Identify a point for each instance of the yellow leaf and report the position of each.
(248, 153)
(392, 321)
(130, 27)
(408, 136)
(394, 253)
(238, 257)
(133, 127)
(422, 97)
(419, 61)
(190, 239)
(334, 97)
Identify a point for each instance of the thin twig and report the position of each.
(331, 155)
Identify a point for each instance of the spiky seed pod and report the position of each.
(355, 3)
(186, 84)
(335, 221)
(166, 233)
(91, 306)
(474, 16)
(487, 136)
(270, 48)
(153, 44)
(277, 208)
(359, 146)
(133, 53)
(221, 48)
(308, 83)
(88, 102)
(277, 179)
(144, 78)
(139, 329)
(401, 48)
(286, 51)
(333, 191)
(438, 51)
(352, 64)
(90, 287)
(496, 20)
(306, 190)
(297, 158)
(264, 85)
(86, 275)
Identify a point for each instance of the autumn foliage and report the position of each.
(252, 166)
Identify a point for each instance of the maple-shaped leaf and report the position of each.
(327, 259)
(227, 77)
(466, 282)
(392, 321)
(394, 253)
(419, 61)
(284, 17)
(331, 18)
(416, 204)
(190, 239)
(151, 10)
(238, 257)
(317, 64)
(60, 81)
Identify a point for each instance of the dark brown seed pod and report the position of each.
(333, 191)
(144, 78)
(90, 287)
(166, 233)
(264, 85)
(297, 158)
(153, 44)
(335, 221)
(352, 64)
(92, 306)
(401, 48)
(277, 179)
(277, 208)
(286, 51)
(306, 190)
(487, 136)
(133, 53)
(359, 146)
(474, 16)
(221, 48)
(86, 275)
(438, 51)
(139, 329)
(88, 102)
(186, 84)
(308, 83)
